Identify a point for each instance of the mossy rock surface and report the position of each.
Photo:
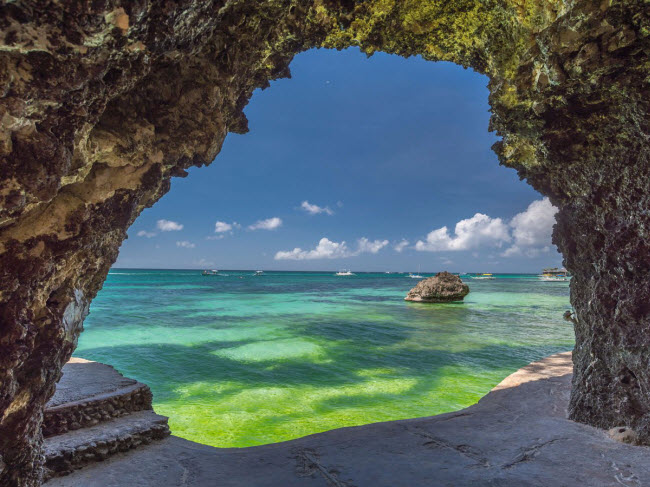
(102, 103)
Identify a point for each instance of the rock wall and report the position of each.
(103, 102)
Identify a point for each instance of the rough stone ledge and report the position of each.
(82, 414)
(75, 449)
(516, 436)
(89, 393)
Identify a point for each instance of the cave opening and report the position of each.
(103, 104)
(390, 148)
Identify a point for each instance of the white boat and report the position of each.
(483, 276)
(555, 274)
(416, 276)
(259, 273)
(210, 272)
(344, 272)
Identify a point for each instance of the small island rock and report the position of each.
(441, 288)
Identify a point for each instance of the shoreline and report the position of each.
(517, 434)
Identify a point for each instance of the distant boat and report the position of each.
(344, 272)
(483, 276)
(259, 273)
(210, 272)
(555, 274)
(555, 278)
(553, 271)
(416, 276)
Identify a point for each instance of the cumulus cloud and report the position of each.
(327, 249)
(144, 233)
(168, 226)
(372, 246)
(186, 244)
(221, 227)
(528, 233)
(532, 229)
(471, 233)
(268, 224)
(401, 245)
(315, 209)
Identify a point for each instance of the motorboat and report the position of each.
(555, 274)
(259, 273)
(554, 278)
(483, 276)
(344, 272)
(210, 272)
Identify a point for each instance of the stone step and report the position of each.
(89, 393)
(76, 449)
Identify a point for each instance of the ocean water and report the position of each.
(237, 360)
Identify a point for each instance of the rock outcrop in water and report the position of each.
(444, 287)
(102, 103)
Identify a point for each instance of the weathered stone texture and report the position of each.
(444, 287)
(102, 103)
(95, 413)
(74, 450)
(82, 414)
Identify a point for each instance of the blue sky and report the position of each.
(384, 150)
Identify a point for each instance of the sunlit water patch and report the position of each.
(240, 360)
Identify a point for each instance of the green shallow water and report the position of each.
(240, 360)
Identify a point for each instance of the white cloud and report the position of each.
(399, 246)
(532, 229)
(144, 233)
(478, 231)
(327, 249)
(185, 244)
(315, 209)
(372, 246)
(268, 224)
(168, 225)
(204, 263)
(528, 233)
(221, 227)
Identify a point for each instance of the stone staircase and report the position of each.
(95, 413)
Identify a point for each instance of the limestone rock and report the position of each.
(623, 434)
(444, 287)
(102, 103)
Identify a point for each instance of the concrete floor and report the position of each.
(517, 435)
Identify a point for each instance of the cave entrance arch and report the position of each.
(311, 135)
(103, 104)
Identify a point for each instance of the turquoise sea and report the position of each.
(237, 360)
